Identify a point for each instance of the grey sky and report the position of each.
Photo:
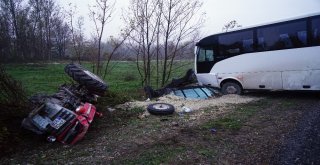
(218, 12)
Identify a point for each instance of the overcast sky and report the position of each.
(218, 13)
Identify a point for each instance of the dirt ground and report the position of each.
(249, 129)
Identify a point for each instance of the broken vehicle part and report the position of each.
(66, 115)
(178, 87)
(160, 109)
(188, 78)
(195, 92)
(49, 118)
(84, 77)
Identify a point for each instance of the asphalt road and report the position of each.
(302, 146)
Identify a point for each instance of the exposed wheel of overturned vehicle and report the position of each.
(84, 77)
(160, 109)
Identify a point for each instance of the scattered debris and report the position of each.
(194, 104)
(186, 109)
(111, 109)
(213, 131)
(144, 115)
(188, 78)
(175, 124)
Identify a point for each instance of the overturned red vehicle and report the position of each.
(66, 115)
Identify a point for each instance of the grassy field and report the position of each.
(46, 78)
(123, 81)
(248, 133)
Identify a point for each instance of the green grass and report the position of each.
(235, 120)
(46, 78)
(39, 78)
(158, 154)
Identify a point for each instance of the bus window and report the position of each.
(283, 36)
(247, 45)
(302, 37)
(316, 31)
(205, 55)
(233, 44)
(201, 55)
(209, 55)
(261, 44)
(286, 41)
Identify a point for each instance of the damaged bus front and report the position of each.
(278, 56)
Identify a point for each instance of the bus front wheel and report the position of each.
(231, 88)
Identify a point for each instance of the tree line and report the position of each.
(157, 33)
(31, 30)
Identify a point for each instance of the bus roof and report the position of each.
(207, 41)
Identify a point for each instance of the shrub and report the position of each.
(11, 91)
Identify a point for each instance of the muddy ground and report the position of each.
(269, 128)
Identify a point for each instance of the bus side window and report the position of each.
(316, 37)
(316, 31)
(283, 36)
(261, 44)
(247, 45)
(302, 37)
(285, 41)
(236, 43)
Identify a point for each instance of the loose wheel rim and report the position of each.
(161, 106)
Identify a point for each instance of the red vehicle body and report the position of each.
(61, 124)
(66, 115)
(78, 128)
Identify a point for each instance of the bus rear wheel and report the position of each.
(231, 88)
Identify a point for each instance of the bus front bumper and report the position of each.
(208, 79)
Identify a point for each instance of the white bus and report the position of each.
(278, 56)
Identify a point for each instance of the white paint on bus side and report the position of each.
(290, 69)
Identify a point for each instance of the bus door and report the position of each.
(205, 60)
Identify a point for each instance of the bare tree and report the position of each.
(100, 14)
(179, 26)
(115, 44)
(28, 28)
(61, 35)
(43, 12)
(162, 28)
(5, 31)
(231, 25)
(143, 22)
(13, 11)
(76, 29)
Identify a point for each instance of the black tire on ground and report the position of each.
(231, 88)
(92, 82)
(160, 109)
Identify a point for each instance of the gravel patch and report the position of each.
(194, 104)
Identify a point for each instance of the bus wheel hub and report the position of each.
(231, 90)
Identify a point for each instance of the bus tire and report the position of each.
(160, 109)
(231, 88)
(92, 82)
